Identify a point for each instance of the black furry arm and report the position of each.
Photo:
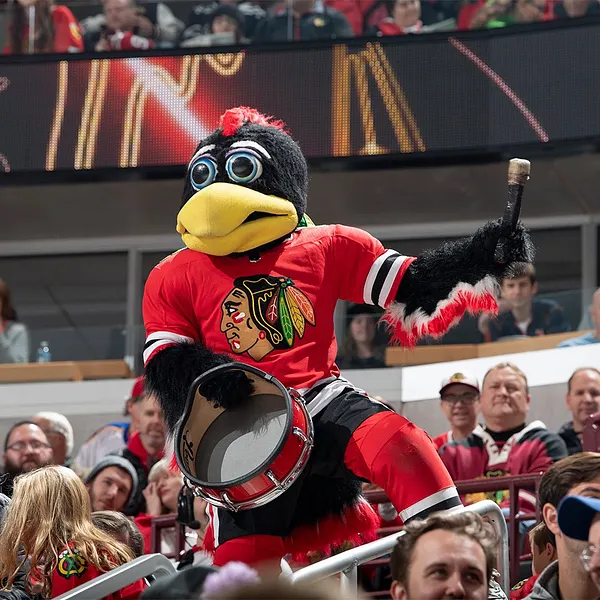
(458, 277)
(171, 371)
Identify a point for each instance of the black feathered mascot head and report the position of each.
(246, 186)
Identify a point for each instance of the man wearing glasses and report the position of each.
(504, 444)
(459, 400)
(26, 448)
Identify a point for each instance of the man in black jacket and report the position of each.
(583, 400)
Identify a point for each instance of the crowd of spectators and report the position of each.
(102, 499)
(125, 25)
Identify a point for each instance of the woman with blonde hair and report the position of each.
(49, 519)
(162, 496)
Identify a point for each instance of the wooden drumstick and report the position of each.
(518, 175)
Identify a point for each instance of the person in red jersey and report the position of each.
(50, 518)
(257, 283)
(56, 29)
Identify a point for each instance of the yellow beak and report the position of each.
(215, 220)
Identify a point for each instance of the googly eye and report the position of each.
(243, 167)
(203, 173)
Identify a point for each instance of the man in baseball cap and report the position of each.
(579, 519)
(459, 401)
(113, 437)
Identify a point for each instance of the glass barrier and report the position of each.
(77, 343)
(362, 337)
(103, 27)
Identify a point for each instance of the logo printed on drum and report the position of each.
(188, 451)
(264, 313)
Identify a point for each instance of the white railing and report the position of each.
(346, 563)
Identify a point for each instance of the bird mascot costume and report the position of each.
(257, 284)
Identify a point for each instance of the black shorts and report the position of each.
(325, 486)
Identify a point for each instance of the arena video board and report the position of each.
(410, 96)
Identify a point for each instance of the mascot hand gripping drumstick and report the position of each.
(257, 283)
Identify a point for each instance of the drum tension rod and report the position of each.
(274, 479)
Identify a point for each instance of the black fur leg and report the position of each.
(171, 372)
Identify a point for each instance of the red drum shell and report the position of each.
(284, 469)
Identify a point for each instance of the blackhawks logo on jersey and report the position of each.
(71, 563)
(264, 313)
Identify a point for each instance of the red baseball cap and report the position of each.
(138, 389)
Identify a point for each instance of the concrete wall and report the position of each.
(412, 391)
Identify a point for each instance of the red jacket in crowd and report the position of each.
(67, 32)
(530, 449)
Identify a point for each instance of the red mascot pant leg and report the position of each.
(393, 453)
(250, 549)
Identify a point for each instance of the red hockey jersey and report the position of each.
(275, 313)
(442, 439)
(67, 32)
(533, 449)
(73, 569)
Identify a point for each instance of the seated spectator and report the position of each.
(543, 550)
(121, 529)
(583, 400)
(520, 314)
(459, 400)
(361, 14)
(144, 449)
(112, 484)
(153, 18)
(505, 445)
(225, 27)
(444, 556)
(112, 437)
(543, 553)
(227, 20)
(14, 338)
(56, 29)
(50, 518)
(593, 337)
(578, 518)
(566, 578)
(303, 20)
(124, 28)
(201, 21)
(500, 13)
(26, 448)
(573, 9)
(359, 349)
(59, 432)
(162, 496)
(406, 18)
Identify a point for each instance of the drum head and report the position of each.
(239, 441)
(221, 448)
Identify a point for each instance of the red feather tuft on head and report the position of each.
(234, 118)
